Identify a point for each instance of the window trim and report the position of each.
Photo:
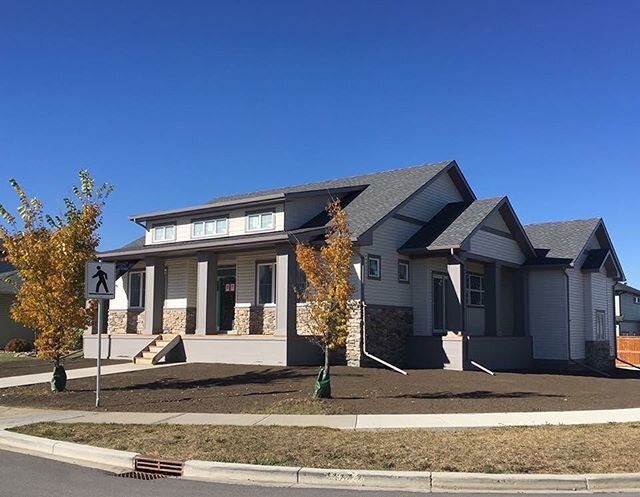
(378, 258)
(164, 225)
(604, 335)
(468, 290)
(402, 262)
(143, 278)
(206, 220)
(248, 215)
(636, 299)
(273, 282)
(445, 279)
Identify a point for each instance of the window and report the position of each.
(164, 233)
(136, 289)
(474, 291)
(211, 227)
(374, 267)
(403, 271)
(601, 328)
(260, 221)
(439, 304)
(266, 283)
(636, 300)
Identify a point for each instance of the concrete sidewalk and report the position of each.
(72, 374)
(17, 416)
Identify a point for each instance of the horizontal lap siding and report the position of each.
(386, 240)
(181, 283)
(427, 203)
(577, 310)
(237, 224)
(629, 309)
(422, 289)
(246, 274)
(548, 314)
(602, 298)
(496, 247)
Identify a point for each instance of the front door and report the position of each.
(226, 300)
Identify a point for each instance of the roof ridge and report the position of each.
(341, 178)
(566, 221)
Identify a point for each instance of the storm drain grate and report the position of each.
(141, 475)
(164, 467)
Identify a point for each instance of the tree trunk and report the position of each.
(59, 378)
(323, 381)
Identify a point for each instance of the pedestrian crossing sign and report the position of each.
(100, 280)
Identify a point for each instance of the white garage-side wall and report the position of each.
(548, 314)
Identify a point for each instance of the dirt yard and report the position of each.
(30, 365)
(235, 389)
(549, 449)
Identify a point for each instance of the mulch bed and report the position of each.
(227, 388)
(18, 367)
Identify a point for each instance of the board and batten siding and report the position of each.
(428, 202)
(548, 318)
(496, 247)
(390, 235)
(236, 227)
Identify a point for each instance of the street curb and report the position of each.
(67, 451)
(423, 481)
(215, 471)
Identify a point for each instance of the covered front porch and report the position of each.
(234, 306)
(476, 312)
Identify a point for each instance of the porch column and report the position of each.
(285, 291)
(520, 302)
(455, 317)
(492, 299)
(206, 298)
(153, 295)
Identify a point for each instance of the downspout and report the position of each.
(363, 327)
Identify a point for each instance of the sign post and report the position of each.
(99, 284)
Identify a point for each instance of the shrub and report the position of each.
(18, 345)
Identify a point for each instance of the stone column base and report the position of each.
(254, 320)
(598, 355)
(179, 321)
(120, 322)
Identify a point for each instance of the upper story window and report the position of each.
(374, 267)
(636, 300)
(261, 221)
(601, 327)
(164, 233)
(474, 291)
(210, 227)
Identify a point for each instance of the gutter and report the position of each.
(363, 328)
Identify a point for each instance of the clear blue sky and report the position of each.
(178, 102)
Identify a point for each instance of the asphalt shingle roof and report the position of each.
(382, 193)
(460, 229)
(435, 226)
(564, 239)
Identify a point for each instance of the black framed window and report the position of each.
(374, 267)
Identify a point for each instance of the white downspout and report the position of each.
(363, 314)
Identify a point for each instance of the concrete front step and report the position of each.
(143, 360)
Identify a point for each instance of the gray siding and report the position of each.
(422, 289)
(427, 203)
(246, 274)
(548, 314)
(386, 239)
(496, 247)
(299, 211)
(577, 312)
(602, 298)
(8, 327)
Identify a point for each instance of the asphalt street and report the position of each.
(28, 476)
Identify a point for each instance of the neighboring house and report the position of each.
(442, 279)
(627, 310)
(8, 287)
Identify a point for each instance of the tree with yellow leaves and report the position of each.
(328, 293)
(49, 253)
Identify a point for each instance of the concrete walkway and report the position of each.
(10, 416)
(73, 374)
